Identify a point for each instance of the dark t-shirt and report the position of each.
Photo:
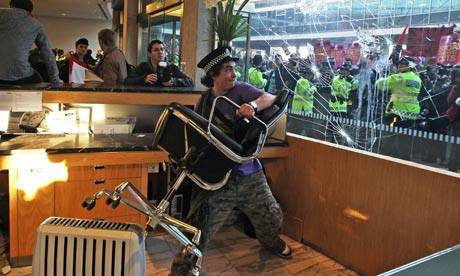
(241, 93)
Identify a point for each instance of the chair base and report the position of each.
(157, 217)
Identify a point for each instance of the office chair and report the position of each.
(205, 154)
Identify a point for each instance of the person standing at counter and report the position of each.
(81, 46)
(157, 72)
(18, 32)
(247, 187)
(112, 68)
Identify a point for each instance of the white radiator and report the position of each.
(67, 246)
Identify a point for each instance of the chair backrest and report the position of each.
(180, 129)
(271, 115)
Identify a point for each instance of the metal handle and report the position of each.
(99, 181)
(99, 167)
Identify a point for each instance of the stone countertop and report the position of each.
(97, 87)
(85, 143)
(78, 143)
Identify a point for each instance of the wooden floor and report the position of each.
(233, 253)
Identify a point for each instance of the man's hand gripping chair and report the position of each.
(202, 152)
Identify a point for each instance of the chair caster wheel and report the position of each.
(88, 203)
(184, 264)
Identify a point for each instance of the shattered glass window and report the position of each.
(377, 75)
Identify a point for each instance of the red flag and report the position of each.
(400, 40)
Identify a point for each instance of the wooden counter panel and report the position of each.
(64, 199)
(30, 214)
(119, 97)
(70, 195)
(104, 172)
(124, 157)
(371, 212)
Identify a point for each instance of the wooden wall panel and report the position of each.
(283, 190)
(30, 214)
(371, 212)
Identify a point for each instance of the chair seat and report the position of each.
(203, 123)
(180, 128)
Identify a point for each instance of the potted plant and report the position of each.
(228, 24)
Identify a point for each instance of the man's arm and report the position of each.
(180, 79)
(142, 71)
(48, 57)
(266, 100)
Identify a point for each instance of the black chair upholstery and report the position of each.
(213, 156)
(174, 134)
(272, 114)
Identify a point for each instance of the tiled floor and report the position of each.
(233, 253)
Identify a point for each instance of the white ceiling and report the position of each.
(87, 9)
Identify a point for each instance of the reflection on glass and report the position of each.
(397, 96)
(164, 23)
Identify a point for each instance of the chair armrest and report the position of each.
(254, 120)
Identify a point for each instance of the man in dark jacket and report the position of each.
(157, 72)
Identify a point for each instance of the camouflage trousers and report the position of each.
(251, 194)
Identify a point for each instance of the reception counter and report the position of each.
(50, 175)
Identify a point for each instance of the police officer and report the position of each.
(342, 87)
(403, 107)
(256, 76)
(304, 93)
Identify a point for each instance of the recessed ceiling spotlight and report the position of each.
(64, 14)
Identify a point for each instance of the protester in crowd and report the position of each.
(247, 186)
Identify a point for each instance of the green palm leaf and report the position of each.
(229, 25)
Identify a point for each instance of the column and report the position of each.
(130, 30)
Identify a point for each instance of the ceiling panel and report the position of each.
(87, 9)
